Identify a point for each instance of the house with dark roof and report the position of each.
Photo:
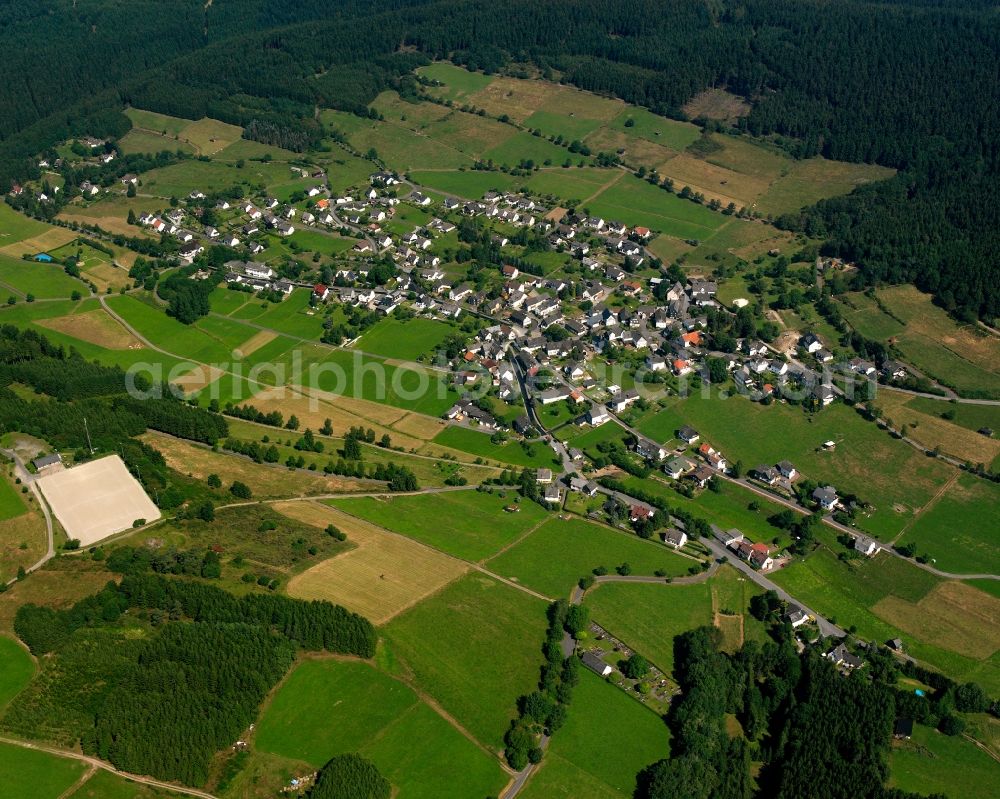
(596, 665)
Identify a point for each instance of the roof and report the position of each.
(903, 728)
(47, 460)
(594, 663)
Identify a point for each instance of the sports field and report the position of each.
(552, 558)
(329, 707)
(382, 575)
(468, 524)
(475, 647)
(96, 499)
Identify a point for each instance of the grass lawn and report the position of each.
(16, 669)
(11, 504)
(105, 785)
(932, 762)
(522, 146)
(470, 184)
(559, 779)
(145, 141)
(25, 772)
(467, 524)
(329, 707)
(648, 616)
(609, 735)
(44, 281)
(636, 202)
(15, 227)
(557, 554)
(182, 340)
(569, 127)
(960, 531)
(538, 455)
(458, 82)
(587, 438)
(405, 341)
(660, 130)
(160, 123)
(475, 647)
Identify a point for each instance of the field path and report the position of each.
(926, 507)
(96, 764)
(621, 173)
(79, 783)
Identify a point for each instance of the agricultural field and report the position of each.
(95, 266)
(958, 532)
(558, 553)
(636, 202)
(157, 123)
(962, 357)
(951, 427)
(383, 573)
(475, 647)
(43, 281)
(537, 455)
(895, 478)
(146, 141)
(931, 762)
(329, 707)
(405, 341)
(469, 184)
(266, 481)
(30, 772)
(467, 524)
(607, 740)
(809, 181)
(22, 529)
(947, 624)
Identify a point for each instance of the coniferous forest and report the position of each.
(909, 84)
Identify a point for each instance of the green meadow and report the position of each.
(538, 455)
(475, 647)
(27, 772)
(552, 558)
(467, 524)
(330, 707)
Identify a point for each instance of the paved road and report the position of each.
(95, 763)
(28, 479)
(827, 629)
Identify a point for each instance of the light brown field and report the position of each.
(714, 181)
(266, 482)
(519, 99)
(95, 327)
(377, 412)
(28, 528)
(111, 224)
(198, 378)
(49, 240)
(60, 584)
(418, 425)
(749, 158)
(255, 342)
(382, 576)
(313, 411)
(954, 615)
(105, 275)
(636, 150)
(933, 431)
(209, 135)
(923, 317)
(731, 628)
(717, 104)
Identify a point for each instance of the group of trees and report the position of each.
(544, 710)
(118, 694)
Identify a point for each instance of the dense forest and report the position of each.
(814, 730)
(911, 85)
(142, 640)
